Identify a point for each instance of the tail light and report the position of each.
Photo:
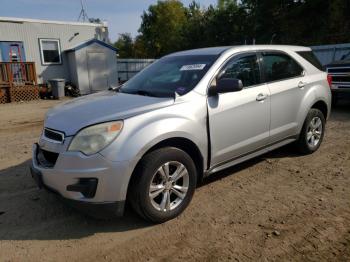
(329, 80)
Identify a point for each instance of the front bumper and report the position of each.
(97, 210)
(66, 177)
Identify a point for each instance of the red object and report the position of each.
(329, 80)
(12, 52)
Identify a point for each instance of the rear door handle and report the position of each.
(261, 97)
(302, 84)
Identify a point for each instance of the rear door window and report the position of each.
(279, 66)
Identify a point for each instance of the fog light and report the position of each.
(86, 186)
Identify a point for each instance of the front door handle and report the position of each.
(261, 97)
(302, 84)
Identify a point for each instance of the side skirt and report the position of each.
(245, 157)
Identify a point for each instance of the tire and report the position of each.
(150, 180)
(312, 133)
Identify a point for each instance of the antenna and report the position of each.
(83, 14)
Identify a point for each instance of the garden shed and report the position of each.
(93, 66)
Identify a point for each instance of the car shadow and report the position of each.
(341, 111)
(27, 213)
(285, 151)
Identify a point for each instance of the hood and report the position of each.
(72, 116)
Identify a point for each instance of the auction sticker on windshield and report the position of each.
(192, 67)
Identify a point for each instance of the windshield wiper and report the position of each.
(140, 92)
(115, 88)
(145, 93)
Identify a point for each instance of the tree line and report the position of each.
(169, 26)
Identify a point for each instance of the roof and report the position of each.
(203, 51)
(293, 48)
(89, 42)
(221, 49)
(28, 20)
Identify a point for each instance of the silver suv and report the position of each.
(188, 115)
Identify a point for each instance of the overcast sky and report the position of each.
(122, 15)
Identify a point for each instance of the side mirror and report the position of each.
(226, 85)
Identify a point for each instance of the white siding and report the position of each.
(30, 32)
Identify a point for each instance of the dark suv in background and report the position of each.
(340, 73)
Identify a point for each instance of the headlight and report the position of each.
(93, 139)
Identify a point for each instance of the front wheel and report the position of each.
(312, 133)
(163, 184)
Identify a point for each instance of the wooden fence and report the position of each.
(18, 82)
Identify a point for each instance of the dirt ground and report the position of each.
(280, 206)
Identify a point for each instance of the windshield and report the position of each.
(168, 75)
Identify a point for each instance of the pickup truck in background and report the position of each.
(340, 73)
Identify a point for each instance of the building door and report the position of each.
(12, 51)
(97, 70)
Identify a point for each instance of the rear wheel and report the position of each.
(163, 184)
(312, 133)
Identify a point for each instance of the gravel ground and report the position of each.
(280, 206)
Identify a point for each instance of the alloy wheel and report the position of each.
(314, 132)
(169, 186)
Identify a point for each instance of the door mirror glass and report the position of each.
(227, 85)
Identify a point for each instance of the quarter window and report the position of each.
(310, 57)
(50, 51)
(244, 68)
(280, 66)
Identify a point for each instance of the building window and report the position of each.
(50, 51)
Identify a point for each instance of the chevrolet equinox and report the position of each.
(186, 116)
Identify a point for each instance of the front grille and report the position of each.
(46, 158)
(54, 135)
